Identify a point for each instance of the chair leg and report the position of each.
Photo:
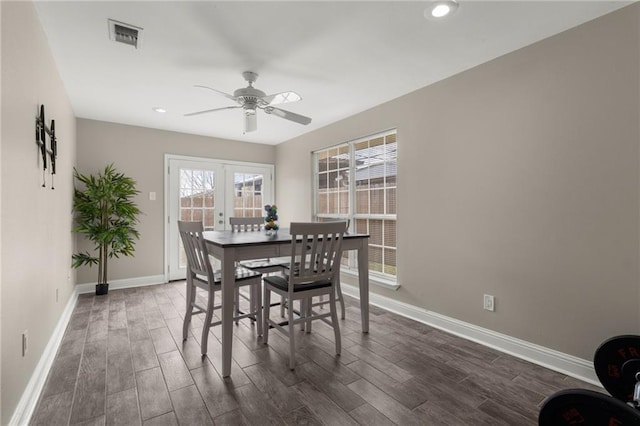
(191, 296)
(236, 304)
(265, 313)
(292, 339)
(282, 306)
(307, 313)
(334, 322)
(340, 298)
(256, 301)
(207, 324)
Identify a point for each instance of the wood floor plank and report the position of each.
(117, 316)
(302, 417)
(367, 415)
(138, 329)
(168, 419)
(53, 410)
(382, 402)
(519, 399)
(144, 355)
(79, 321)
(256, 407)
(189, 407)
(96, 421)
(321, 406)
(284, 398)
(431, 370)
(154, 318)
(118, 340)
(214, 391)
(120, 373)
(409, 393)
(162, 340)
(434, 413)
(168, 311)
(72, 343)
(324, 381)
(98, 330)
(506, 414)
(332, 364)
(122, 408)
(380, 363)
(63, 375)
(232, 418)
(152, 393)
(175, 371)
(90, 396)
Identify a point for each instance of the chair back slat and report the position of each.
(318, 248)
(195, 249)
(239, 224)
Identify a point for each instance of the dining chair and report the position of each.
(200, 274)
(264, 266)
(316, 249)
(254, 224)
(339, 297)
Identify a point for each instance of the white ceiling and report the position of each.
(342, 57)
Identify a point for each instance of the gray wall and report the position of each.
(518, 178)
(35, 222)
(139, 153)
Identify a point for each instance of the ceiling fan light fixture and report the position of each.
(283, 98)
(441, 8)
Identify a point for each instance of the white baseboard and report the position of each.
(126, 283)
(29, 399)
(549, 358)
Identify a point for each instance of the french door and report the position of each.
(211, 191)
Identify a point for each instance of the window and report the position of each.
(357, 181)
(247, 195)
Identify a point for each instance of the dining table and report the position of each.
(230, 247)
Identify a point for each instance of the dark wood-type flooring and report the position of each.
(123, 362)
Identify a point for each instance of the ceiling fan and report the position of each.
(250, 99)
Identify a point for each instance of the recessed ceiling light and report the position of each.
(440, 9)
(159, 109)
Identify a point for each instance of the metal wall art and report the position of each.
(41, 139)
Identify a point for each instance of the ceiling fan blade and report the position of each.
(281, 98)
(250, 122)
(226, 95)
(288, 115)
(211, 110)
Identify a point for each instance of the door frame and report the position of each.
(224, 164)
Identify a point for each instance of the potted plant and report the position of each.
(106, 214)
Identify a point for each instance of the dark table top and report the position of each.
(229, 238)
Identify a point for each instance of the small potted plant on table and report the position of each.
(271, 219)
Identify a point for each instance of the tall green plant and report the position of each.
(106, 214)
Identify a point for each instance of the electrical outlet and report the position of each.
(25, 342)
(56, 295)
(489, 303)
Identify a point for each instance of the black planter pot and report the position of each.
(102, 289)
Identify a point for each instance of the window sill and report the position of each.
(374, 280)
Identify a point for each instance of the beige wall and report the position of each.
(36, 222)
(139, 153)
(518, 178)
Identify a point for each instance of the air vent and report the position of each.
(125, 33)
